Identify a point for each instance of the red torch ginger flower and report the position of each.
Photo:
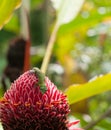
(25, 107)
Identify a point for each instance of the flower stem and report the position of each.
(49, 49)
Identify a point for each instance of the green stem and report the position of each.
(49, 49)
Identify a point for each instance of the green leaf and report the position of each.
(77, 24)
(102, 3)
(13, 25)
(6, 9)
(67, 10)
(100, 84)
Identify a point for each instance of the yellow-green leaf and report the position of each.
(100, 84)
(6, 10)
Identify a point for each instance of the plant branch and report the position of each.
(25, 32)
(93, 123)
(25, 10)
(49, 49)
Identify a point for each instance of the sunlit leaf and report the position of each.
(93, 19)
(100, 84)
(6, 9)
(102, 2)
(67, 10)
(63, 47)
(13, 25)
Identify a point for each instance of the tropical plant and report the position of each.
(77, 53)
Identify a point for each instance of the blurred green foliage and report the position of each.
(82, 50)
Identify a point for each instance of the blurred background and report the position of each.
(82, 51)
